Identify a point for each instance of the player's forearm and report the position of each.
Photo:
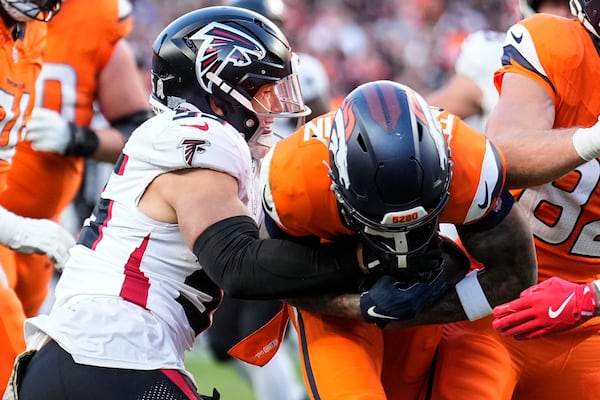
(342, 305)
(508, 253)
(557, 158)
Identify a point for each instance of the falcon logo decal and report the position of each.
(191, 147)
(220, 45)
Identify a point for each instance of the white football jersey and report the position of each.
(480, 56)
(132, 294)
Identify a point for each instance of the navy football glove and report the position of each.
(389, 299)
(396, 298)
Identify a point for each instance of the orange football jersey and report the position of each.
(297, 191)
(21, 61)
(563, 214)
(297, 195)
(21, 64)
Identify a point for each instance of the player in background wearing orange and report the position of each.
(86, 59)
(23, 30)
(546, 125)
(387, 175)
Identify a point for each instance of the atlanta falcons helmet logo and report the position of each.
(220, 45)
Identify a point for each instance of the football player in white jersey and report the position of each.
(177, 222)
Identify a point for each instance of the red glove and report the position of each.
(548, 307)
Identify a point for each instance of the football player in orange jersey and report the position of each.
(78, 70)
(546, 125)
(392, 170)
(23, 30)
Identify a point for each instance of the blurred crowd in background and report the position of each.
(412, 41)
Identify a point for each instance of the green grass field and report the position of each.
(210, 374)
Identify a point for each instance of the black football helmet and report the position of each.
(272, 9)
(588, 12)
(25, 10)
(389, 166)
(229, 53)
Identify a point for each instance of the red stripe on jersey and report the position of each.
(175, 377)
(136, 284)
(121, 164)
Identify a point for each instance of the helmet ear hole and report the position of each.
(360, 140)
(420, 131)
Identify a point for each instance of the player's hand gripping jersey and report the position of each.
(297, 191)
(133, 263)
(564, 213)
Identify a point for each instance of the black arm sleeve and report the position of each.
(245, 266)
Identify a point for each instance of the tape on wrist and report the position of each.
(587, 142)
(472, 298)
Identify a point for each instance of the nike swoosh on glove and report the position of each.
(551, 306)
(389, 299)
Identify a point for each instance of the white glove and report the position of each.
(587, 141)
(48, 131)
(40, 236)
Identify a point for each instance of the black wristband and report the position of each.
(84, 141)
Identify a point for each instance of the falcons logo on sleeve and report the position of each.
(191, 147)
(220, 45)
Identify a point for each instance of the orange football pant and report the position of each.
(477, 363)
(12, 317)
(350, 360)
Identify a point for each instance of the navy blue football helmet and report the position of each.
(389, 165)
